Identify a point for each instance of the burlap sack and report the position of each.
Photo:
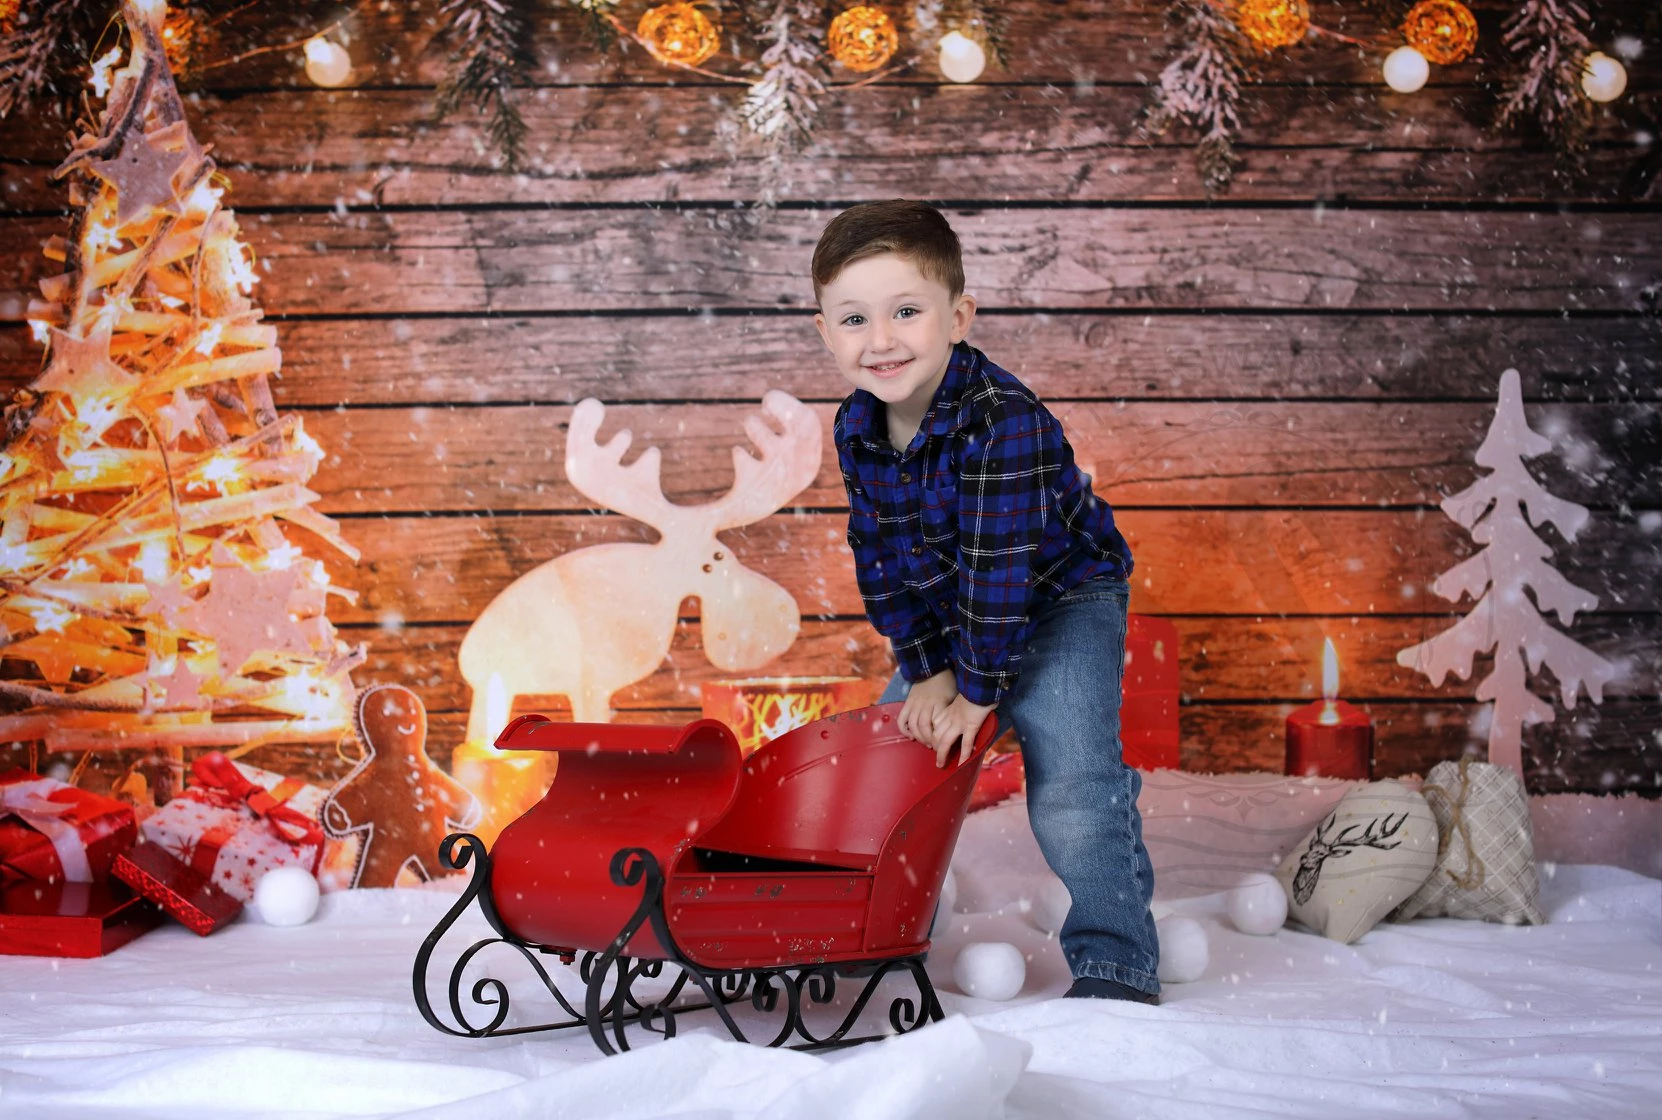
(1485, 852)
(1370, 853)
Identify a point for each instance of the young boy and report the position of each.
(985, 559)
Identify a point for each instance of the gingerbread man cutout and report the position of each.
(396, 799)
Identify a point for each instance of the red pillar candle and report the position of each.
(1330, 738)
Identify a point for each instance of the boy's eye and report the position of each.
(850, 321)
(903, 310)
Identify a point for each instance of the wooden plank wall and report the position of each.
(1275, 388)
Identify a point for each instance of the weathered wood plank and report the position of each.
(1266, 453)
(1223, 658)
(1607, 749)
(1236, 562)
(1039, 143)
(1050, 41)
(1610, 748)
(707, 257)
(1131, 356)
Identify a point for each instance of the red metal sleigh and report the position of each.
(762, 880)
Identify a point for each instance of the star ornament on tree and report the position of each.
(247, 612)
(81, 365)
(144, 172)
(172, 685)
(183, 415)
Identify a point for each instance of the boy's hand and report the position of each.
(924, 704)
(957, 727)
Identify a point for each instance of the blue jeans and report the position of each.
(1081, 797)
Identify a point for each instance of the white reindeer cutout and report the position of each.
(595, 619)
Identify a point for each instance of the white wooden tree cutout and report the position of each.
(1499, 510)
(595, 619)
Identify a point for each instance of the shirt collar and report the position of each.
(948, 412)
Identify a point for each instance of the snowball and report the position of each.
(990, 970)
(1183, 950)
(948, 903)
(1259, 905)
(1051, 905)
(286, 896)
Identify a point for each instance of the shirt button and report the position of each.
(904, 477)
(917, 550)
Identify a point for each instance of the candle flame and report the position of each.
(1330, 682)
(496, 708)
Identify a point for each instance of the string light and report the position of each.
(327, 63)
(1603, 78)
(1406, 70)
(238, 268)
(962, 58)
(209, 338)
(49, 617)
(220, 472)
(100, 80)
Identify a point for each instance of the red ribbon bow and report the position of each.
(223, 782)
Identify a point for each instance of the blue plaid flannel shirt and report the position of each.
(983, 518)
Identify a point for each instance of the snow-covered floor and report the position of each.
(1431, 1019)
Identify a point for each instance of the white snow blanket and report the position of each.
(1435, 1018)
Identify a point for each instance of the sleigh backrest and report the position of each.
(615, 787)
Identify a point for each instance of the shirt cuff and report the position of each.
(923, 657)
(983, 687)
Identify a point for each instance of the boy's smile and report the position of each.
(891, 330)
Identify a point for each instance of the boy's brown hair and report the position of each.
(914, 230)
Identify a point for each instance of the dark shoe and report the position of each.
(1089, 987)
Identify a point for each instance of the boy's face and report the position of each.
(892, 329)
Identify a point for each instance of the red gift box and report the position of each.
(175, 886)
(232, 830)
(51, 831)
(71, 919)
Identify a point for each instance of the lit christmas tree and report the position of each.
(153, 591)
(1498, 511)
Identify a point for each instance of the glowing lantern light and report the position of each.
(679, 33)
(862, 38)
(1444, 31)
(763, 708)
(507, 783)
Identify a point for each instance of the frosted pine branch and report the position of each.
(38, 30)
(782, 103)
(1549, 44)
(1201, 87)
(485, 38)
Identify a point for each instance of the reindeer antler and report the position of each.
(593, 468)
(789, 462)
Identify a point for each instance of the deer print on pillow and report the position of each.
(1369, 854)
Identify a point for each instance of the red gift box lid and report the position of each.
(71, 919)
(176, 887)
